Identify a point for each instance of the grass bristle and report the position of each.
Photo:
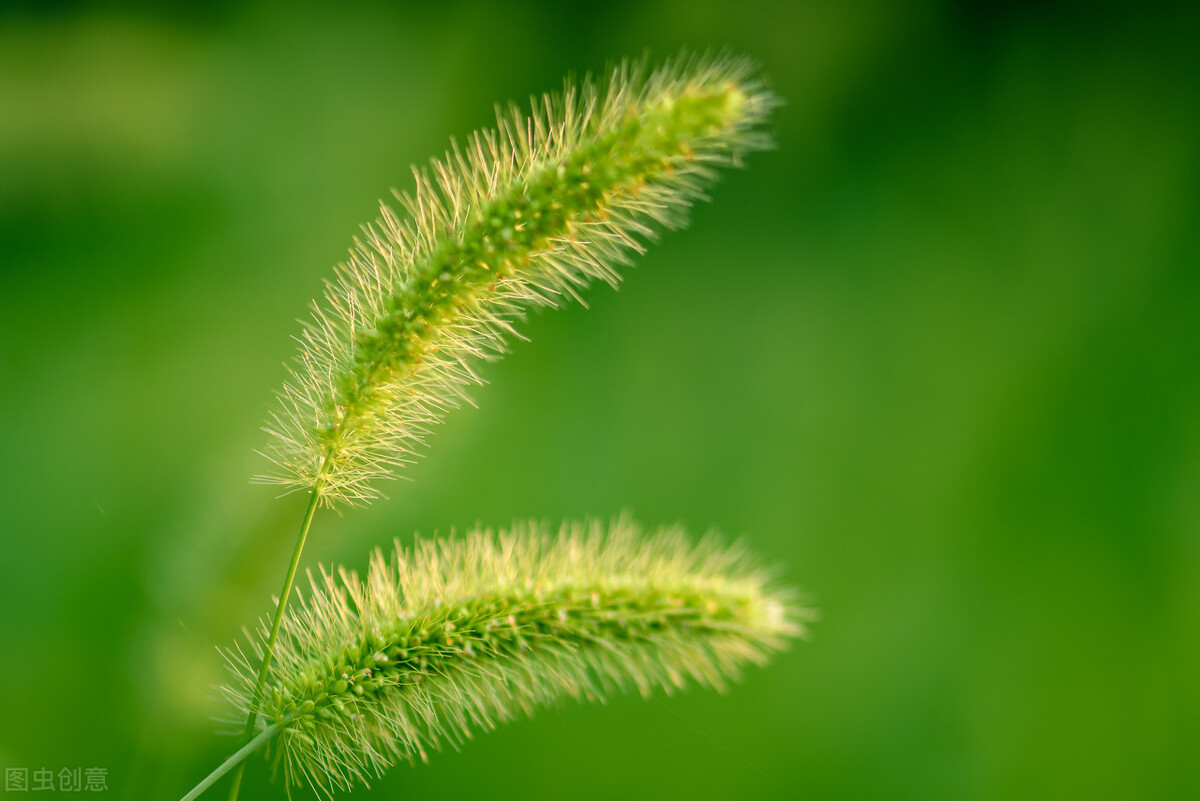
(528, 214)
(461, 634)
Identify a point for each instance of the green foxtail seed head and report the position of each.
(463, 634)
(527, 214)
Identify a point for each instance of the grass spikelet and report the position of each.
(462, 634)
(527, 214)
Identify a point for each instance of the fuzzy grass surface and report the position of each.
(527, 214)
(461, 634)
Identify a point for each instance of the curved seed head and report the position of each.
(530, 213)
(462, 634)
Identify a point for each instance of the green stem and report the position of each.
(269, 650)
(245, 751)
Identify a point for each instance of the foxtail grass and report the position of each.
(527, 214)
(465, 634)
(458, 635)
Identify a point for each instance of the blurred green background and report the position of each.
(936, 356)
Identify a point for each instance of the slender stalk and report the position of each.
(245, 751)
(313, 502)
